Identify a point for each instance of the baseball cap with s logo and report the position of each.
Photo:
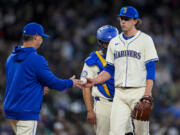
(129, 11)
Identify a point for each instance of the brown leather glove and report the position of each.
(142, 109)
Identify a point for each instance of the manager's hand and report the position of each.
(76, 82)
(46, 90)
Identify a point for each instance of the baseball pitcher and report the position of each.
(132, 56)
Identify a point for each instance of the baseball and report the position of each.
(84, 80)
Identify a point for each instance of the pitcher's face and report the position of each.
(127, 23)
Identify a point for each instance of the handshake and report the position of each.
(83, 83)
(77, 83)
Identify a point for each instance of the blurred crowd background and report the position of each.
(72, 25)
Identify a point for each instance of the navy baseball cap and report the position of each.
(34, 29)
(130, 12)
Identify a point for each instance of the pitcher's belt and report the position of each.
(127, 87)
(124, 88)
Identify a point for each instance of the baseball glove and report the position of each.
(142, 109)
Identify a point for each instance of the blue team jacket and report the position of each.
(26, 74)
(107, 88)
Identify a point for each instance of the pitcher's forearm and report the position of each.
(149, 86)
(102, 77)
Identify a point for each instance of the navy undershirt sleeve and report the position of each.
(151, 69)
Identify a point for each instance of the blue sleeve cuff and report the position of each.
(110, 69)
(152, 60)
(69, 83)
(151, 69)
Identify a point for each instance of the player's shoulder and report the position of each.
(114, 41)
(37, 56)
(145, 35)
(91, 59)
(37, 59)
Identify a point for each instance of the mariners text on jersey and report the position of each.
(128, 53)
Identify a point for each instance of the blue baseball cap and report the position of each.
(34, 29)
(130, 12)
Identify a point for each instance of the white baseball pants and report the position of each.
(123, 103)
(22, 127)
(102, 109)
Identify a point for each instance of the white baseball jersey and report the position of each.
(129, 58)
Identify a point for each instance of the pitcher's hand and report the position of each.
(90, 82)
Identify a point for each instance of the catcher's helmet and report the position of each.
(106, 33)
